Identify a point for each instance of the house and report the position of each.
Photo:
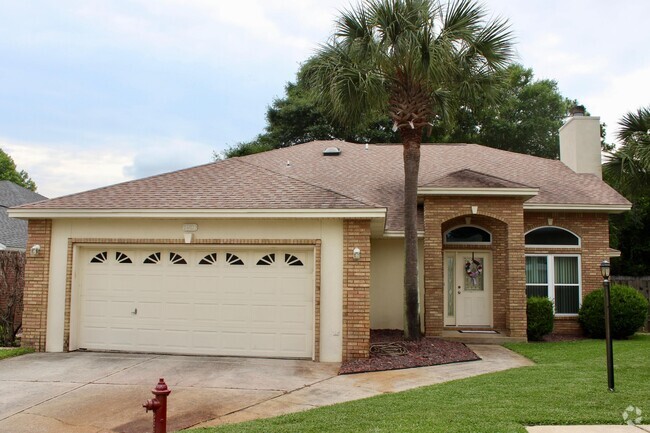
(298, 252)
(13, 232)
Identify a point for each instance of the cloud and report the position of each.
(61, 169)
(620, 94)
(166, 155)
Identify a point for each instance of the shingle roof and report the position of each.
(301, 177)
(229, 184)
(13, 232)
(470, 179)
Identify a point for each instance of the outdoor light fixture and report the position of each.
(188, 232)
(356, 253)
(34, 250)
(604, 271)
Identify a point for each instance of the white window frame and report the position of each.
(550, 275)
(553, 245)
(444, 236)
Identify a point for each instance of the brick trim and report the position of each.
(316, 243)
(37, 281)
(356, 289)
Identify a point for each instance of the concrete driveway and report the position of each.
(103, 392)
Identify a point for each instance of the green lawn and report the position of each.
(8, 353)
(567, 386)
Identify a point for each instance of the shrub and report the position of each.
(628, 312)
(540, 317)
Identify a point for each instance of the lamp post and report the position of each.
(604, 271)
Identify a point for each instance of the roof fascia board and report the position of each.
(517, 192)
(197, 213)
(612, 208)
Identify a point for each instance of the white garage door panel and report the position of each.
(163, 300)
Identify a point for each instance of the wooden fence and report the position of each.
(642, 284)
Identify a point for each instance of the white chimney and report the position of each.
(580, 143)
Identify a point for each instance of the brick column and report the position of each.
(433, 270)
(356, 289)
(37, 278)
(516, 313)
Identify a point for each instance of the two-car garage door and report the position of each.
(253, 301)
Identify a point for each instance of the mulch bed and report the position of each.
(389, 351)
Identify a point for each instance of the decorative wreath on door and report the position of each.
(473, 269)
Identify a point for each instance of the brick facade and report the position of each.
(593, 230)
(504, 218)
(37, 277)
(356, 289)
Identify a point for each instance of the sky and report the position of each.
(94, 93)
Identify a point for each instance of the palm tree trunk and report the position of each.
(411, 139)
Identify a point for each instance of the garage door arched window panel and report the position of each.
(209, 259)
(551, 236)
(122, 257)
(176, 258)
(468, 235)
(292, 260)
(233, 259)
(267, 260)
(100, 257)
(152, 259)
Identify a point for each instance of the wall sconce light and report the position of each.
(34, 250)
(188, 232)
(474, 210)
(356, 253)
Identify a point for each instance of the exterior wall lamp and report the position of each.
(188, 232)
(356, 253)
(604, 271)
(34, 250)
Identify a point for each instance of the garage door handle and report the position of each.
(134, 312)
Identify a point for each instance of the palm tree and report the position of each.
(628, 167)
(412, 59)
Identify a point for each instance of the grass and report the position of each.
(567, 386)
(10, 353)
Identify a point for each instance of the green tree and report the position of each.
(8, 171)
(415, 60)
(298, 118)
(628, 170)
(526, 117)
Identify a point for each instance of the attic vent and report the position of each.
(332, 151)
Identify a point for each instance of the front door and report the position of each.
(468, 291)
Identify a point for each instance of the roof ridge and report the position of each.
(484, 174)
(309, 183)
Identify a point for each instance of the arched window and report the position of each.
(468, 235)
(552, 236)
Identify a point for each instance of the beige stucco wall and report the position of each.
(329, 231)
(387, 283)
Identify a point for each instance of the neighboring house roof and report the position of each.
(301, 177)
(13, 232)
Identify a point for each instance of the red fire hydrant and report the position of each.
(158, 405)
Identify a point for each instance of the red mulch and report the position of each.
(423, 353)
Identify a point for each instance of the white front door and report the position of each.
(468, 288)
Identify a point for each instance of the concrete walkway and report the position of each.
(103, 392)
